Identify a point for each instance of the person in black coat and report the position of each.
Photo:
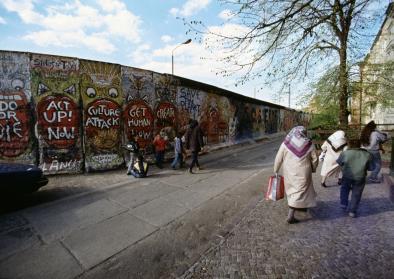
(194, 142)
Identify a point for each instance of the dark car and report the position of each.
(20, 178)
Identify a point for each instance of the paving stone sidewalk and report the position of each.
(327, 243)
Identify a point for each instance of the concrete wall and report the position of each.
(69, 115)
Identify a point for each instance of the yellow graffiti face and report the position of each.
(43, 86)
(100, 89)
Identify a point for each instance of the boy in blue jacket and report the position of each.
(179, 151)
(354, 162)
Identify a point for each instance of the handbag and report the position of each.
(276, 188)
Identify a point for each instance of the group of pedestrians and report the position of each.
(342, 158)
(191, 140)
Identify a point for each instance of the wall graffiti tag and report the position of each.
(14, 124)
(165, 87)
(166, 115)
(69, 115)
(138, 84)
(55, 86)
(102, 100)
(16, 119)
(214, 125)
(139, 121)
(59, 121)
(102, 124)
(190, 100)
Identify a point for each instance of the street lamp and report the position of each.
(172, 54)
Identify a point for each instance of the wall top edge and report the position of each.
(184, 81)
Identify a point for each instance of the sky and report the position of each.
(136, 33)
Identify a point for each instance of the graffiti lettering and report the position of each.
(139, 122)
(58, 116)
(56, 165)
(187, 100)
(8, 115)
(102, 123)
(60, 105)
(55, 64)
(104, 158)
(167, 112)
(103, 110)
(12, 105)
(7, 131)
(14, 123)
(137, 111)
(61, 133)
(143, 135)
(58, 121)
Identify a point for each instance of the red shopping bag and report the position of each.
(276, 188)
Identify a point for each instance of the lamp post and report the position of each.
(172, 54)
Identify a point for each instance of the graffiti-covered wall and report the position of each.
(70, 115)
(55, 88)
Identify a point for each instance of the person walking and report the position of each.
(298, 159)
(354, 162)
(194, 142)
(331, 149)
(371, 140)
(179, 151)
(160, 147)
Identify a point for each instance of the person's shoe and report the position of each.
(324, 185)
(352, 214)
(199, 168)
(173, 168)
(128, 173)
(339, 181)
(190, 171)
(343, 206)
(373, 180)
(292, 220)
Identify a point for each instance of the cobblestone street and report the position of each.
(325, 244)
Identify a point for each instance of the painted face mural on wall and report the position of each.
(214, 125)
(16, 118)
(138, 90)
(55, 87)
(102, 100)
(166, 113)
(243, 114)
(165, 87)
(271, 119)
(257, 118)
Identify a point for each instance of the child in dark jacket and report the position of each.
(354, 162)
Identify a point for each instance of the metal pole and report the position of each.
(172, 63)
(392, 158)
(172, 54)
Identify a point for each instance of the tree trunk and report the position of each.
(343, 87)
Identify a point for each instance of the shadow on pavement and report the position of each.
(330, 210)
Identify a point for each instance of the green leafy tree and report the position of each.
(322, 100)
(378, 84)
(284, 40)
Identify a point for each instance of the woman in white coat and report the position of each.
(298, 159)
(331, 149)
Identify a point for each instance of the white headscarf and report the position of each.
(337, 140)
